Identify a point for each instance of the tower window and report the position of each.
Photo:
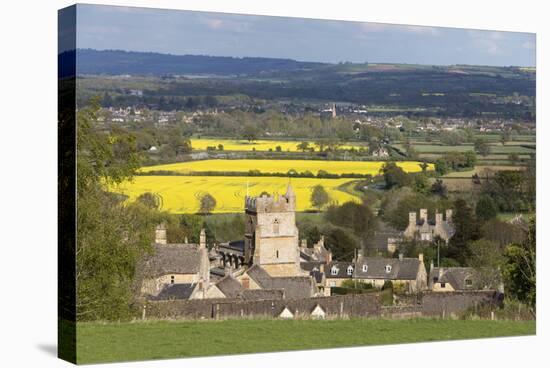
(276, 227)
(277, 253)
(172, 279)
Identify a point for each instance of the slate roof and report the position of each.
(380, 238)
(172, 258)
(405, 269)
(294, 286)
(310, 266)
(456, 276)
(237, 246)
(262, 294)
(229, 287)
(175, 291)
(341, 270)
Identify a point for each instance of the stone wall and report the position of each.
(359, 305)
(343, 306)
(446, 304)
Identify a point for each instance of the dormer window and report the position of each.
(365, 268)
(334, 271)
(350, 270)
(468, 282)
(388, 268)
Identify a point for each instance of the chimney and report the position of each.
(186, 241)
(322, 267)
(421, 257)
(412, 218)
(431, 265)
(160, 234)
(202, 241)
(449, 216)
(438, 218)
(400, 256)
(303, 243)
(424, 214)
(320, 243)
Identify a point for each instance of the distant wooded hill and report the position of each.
(115, 62)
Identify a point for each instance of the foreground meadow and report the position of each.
(180, 194)
(283, 166)
(258, 145)
(109, 342)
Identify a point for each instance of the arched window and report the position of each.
(350, 270)
(277, 253)
(276, 227)
(334, 270)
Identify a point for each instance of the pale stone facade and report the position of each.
(424, 230)
(271, 235)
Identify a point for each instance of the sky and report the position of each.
(218, 34)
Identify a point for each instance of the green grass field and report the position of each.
(98, 343)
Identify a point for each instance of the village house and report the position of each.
(176, 271)
(447, 279)
(423, 229)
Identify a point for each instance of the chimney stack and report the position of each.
(421, 257)
(412, 218)
(424, 214)
(431, 265)
(438, 218)
(202, 241)
(400, 256)
(449, 216)
(322, 268)
(160, 234)
(303, 243)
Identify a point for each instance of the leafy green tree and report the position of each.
(357, 217)
(341, 244)
(111, 237)
(250, 133)
(207, 203)
(520, 268)
(439, 188)
(319, 197)
(466, 230)
(304, 146)
(420, 184)
(395, 176)
(486, 208)
(441, 167)
(149, 200)
(482, 146)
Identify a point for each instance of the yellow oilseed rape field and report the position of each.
(282, 166)
(258, 145)
(180, 194)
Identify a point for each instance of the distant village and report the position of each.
(272, 262)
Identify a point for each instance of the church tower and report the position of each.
(271, 235)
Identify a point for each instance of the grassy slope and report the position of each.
(164, 339)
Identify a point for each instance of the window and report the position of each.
(350, 270)
(443, 285)
(276, 227)
(172, 279)
(277, 253)
(334, 270)
(365, 268)
(468, 282)
(388, 268)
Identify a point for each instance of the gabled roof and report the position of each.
(229, 287)
(175, 291)
(376, 268)
(457, 276)
(294, 286)
(172, 259)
